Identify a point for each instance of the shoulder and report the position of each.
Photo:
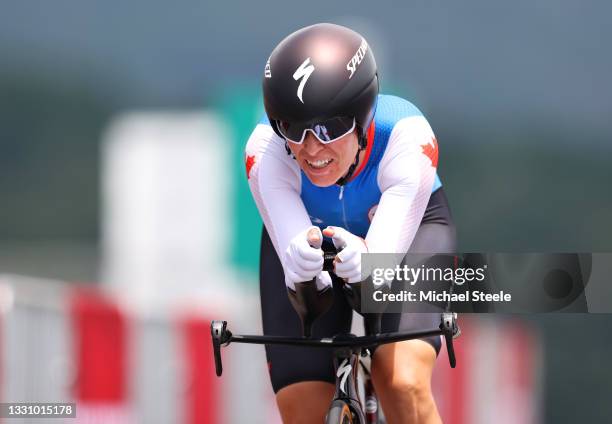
(399, 125)
(263, 140)
(392, 109)
(408, 143)
(266, 149)
(397, 116)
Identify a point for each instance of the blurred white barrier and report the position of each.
(165, 204)
(35, 344)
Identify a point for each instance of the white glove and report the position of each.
(348, 262)
(303, 262)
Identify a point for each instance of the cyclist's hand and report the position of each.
(347, 264)
(304, 257)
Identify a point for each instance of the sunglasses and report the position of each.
(326, 131)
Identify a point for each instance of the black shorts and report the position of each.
(292, 364)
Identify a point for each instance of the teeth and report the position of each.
(319, 163)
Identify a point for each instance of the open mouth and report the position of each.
(319, 164)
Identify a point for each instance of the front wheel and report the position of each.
(341, 413)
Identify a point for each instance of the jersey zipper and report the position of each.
(341, 199)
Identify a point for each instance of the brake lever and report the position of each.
(220, 336)
(450, 330)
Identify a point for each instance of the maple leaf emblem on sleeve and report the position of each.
(250, 161)
(431, 151)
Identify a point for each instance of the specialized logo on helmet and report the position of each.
(303, 72)
(357, 58)
(268, 70)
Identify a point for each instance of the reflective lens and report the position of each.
(326, 132)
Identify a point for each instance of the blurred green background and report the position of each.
(518, 94)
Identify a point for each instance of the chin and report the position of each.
(323, 181)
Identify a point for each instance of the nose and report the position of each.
(312, 145)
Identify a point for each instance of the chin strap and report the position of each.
(363, 142)
(289, 150)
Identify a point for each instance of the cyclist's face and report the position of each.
(324, 164)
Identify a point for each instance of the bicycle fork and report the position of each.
(346, 364)
(370, 400)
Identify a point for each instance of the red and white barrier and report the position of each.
(106, 353)
(62, 343)
(498, 374)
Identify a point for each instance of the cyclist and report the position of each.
(334, 154)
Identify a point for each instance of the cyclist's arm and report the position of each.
(406, 176)
(275, 182)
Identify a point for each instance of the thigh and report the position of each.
(293, 364)
(305, 402)
(401, 373)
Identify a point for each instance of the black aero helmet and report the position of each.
(321, 72)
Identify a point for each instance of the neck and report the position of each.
(359, 158)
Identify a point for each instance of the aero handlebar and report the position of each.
(448, 328)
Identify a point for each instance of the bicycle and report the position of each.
(346, 406)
